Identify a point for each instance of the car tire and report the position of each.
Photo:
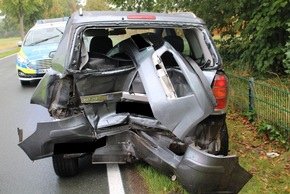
(24, 83)
(224, 141)
(65, 167)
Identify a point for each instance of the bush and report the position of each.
(273, 132)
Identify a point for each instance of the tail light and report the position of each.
(220, 91)
(144, 17)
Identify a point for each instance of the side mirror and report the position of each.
(20, 44)
(51, 54)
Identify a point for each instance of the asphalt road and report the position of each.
(18, 174)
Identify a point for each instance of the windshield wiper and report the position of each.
(59, 30)
(44, 40)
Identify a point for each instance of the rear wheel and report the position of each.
(65, 167)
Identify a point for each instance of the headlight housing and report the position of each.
(22, 59)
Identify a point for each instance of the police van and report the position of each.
(37, 49)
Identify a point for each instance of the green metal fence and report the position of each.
(265, 102)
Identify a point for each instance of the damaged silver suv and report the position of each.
(128, 86)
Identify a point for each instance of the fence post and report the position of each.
(251, 99)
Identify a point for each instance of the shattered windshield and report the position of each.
(44, 36)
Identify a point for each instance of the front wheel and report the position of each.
(65, 167)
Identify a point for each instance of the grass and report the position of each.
(157, 182)
(8, 43)
(270, 175)
(10, 52)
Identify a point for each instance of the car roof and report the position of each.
(49, 25)
(181, 18)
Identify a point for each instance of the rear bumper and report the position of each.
(197, 171)
(200, 172)
(41, 143)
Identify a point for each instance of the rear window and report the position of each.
(187, 41)
(127, 33)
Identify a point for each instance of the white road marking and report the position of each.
(114, 179)
(2, 59)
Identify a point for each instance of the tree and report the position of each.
(254, 33)
(96, 5)
(265, 35)
(27, 12)
(9, 27)
(134, 5)
(59, 8)
(21, 8)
